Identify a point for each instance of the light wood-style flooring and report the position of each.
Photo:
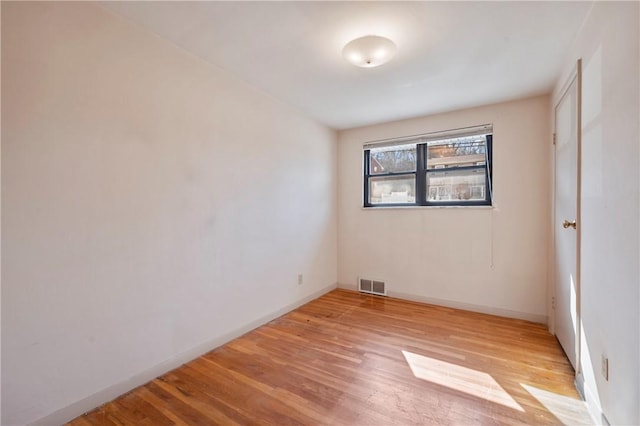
(352, 359)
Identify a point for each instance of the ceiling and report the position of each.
(451, 55)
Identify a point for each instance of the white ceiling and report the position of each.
(451, 55)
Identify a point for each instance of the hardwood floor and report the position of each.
(352, 359)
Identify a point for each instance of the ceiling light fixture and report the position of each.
(369, 51)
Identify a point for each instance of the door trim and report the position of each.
(579, 220)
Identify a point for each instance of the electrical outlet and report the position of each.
(605, 367)
(553, 303)
(300, 280)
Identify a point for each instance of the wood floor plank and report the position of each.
(80, 421)
(353, 359)
(148, 396)
(140, 411)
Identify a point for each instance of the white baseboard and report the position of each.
(537, 318)
(593, 404)
(105, 395)
(579, 384)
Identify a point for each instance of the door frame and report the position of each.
(576, 75)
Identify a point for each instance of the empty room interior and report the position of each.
(346, 213)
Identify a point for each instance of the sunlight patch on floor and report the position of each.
(568, 410)
(459, 378)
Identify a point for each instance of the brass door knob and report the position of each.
(566, 224)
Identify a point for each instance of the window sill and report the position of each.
(428, 207)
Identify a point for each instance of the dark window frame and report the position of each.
(420, 176)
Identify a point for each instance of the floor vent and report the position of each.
(366, 285)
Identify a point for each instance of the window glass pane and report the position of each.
(456, 185)
(392, 189)
(392, 159)
(467, 151)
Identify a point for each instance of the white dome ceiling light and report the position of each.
(369, 51)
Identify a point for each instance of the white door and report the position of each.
(566, 212)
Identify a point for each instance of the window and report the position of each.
(450, 168)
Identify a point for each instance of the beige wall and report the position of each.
(485, 259)
(153, 207)
(609, 45)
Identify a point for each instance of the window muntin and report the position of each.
(430, 171)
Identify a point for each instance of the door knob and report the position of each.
(566, 224)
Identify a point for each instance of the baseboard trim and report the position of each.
(579, 384)
(105, 395)
(592, 403)
(537, 318)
